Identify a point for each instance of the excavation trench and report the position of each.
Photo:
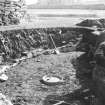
(14, 42)
(24, 86)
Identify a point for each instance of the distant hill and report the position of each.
(90, 6)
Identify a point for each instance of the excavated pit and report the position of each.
(24, 86)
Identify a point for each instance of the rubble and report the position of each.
(4, 100)
(3, 77)
(4, 68)
(11, 12)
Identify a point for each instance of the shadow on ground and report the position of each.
(83, 96)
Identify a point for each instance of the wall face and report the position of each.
(11, 11)
(8, 0)
(10, 4)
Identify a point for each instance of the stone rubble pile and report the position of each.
(4, 100)
(11, 12)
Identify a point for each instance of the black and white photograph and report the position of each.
(52, 52)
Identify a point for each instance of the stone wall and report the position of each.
(11, 12)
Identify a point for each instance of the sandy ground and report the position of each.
(25, 88)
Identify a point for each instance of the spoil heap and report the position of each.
(11, 11)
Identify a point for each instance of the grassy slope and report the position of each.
(92, 7)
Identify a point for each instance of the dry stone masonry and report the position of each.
(11, 12)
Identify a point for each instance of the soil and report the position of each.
(24, 86)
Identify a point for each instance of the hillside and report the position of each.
(92, 6)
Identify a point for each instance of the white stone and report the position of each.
(4, 68)
(4, 100)
(3, 77)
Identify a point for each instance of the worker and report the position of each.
(99, 68)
